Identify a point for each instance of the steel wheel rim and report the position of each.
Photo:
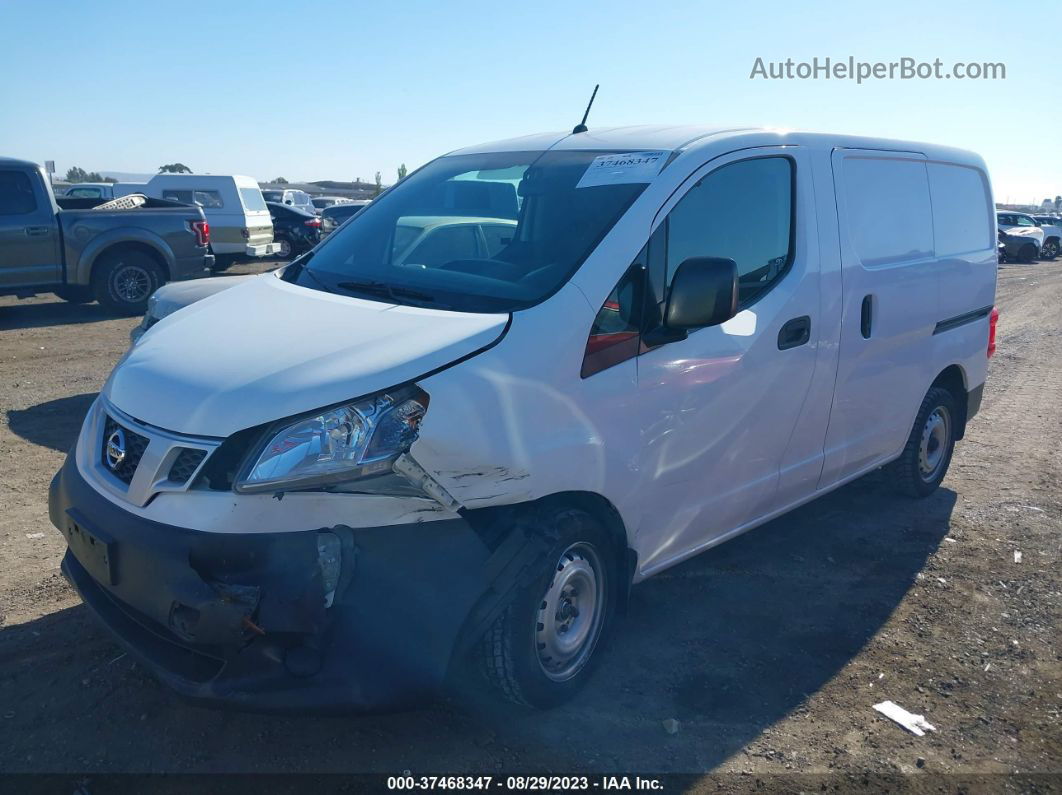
(934, 445)
(568, 621)
(285, 248)
(132, 283)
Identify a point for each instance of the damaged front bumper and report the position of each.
(240, 619)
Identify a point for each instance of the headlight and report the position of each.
(348, 442)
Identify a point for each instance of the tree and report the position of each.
(379, 184)
(280, 181)
(402, 171)
(1058, 202)
(174, 168)
(78, 174)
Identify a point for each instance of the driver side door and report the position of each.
(718, 409)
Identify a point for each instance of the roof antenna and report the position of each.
(581, 126)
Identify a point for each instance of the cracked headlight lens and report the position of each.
(348, 442)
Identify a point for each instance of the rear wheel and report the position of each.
(123, 280)
(285, 248)
(926, 456)
(1050, 249)
(540, 650)
(1027, 253)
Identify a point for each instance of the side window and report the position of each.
(16, 194)
(182, 196)
(1024, 220)
(889, 220)
(961, 209)
(445, 244)
(615, 335)
(208, 198)
(742, 211)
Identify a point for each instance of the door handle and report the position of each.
(794, 333)
(38, 231)
(866, 316)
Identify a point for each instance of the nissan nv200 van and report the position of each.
(234, 207)
(402, 465)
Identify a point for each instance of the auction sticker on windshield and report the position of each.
(622, 169)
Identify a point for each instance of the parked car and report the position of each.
(294, 230)
(1022, 225)
(233, 204)
(402, 465)
(332, 217)
(435, 240)
(116, 257)
(1015, 248)
(321, 202)
(90, 190)
(299, 199)
(1052, 235)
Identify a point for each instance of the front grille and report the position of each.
(186, 463)
(134, 445)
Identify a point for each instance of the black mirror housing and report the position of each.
(704, 292)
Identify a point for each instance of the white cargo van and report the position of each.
(394, 468)
(239, 220)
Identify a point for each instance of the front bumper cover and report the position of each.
(238, 619)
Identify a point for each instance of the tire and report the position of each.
(123, 280)
(925, 458)
(540, 651)
(1050, 249)
(1027, 253)
(287, 248)
(222, 262)
(75, 294)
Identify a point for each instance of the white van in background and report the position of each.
(240, 225)
(401, 465)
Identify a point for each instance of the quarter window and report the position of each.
(742, 211)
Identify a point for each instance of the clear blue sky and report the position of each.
(323, 89)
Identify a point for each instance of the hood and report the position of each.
(177, 295)
(266, 349)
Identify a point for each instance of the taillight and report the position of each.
(314, 222)
(993, 319)
(202, 232)
(246, 233)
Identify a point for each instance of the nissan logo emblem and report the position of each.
(115, 450)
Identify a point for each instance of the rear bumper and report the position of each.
(261, 250)
(192, 267)
(239, 620)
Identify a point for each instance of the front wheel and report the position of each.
(925, 458)
(123, 281)
(1050, 249)
(539, 651)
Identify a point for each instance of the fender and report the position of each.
(115, 237)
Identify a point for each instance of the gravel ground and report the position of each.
(769, 651)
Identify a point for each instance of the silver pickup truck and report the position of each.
(118, 257)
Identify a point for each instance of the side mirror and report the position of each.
(704, 292)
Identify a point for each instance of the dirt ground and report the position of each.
(769, 651)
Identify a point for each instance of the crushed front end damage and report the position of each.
(258, 621)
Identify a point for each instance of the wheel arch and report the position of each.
(953, 379)
(130, 245)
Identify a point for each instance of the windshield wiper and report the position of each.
(395, 294)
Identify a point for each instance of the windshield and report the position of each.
(474, 233)
(252, 199)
